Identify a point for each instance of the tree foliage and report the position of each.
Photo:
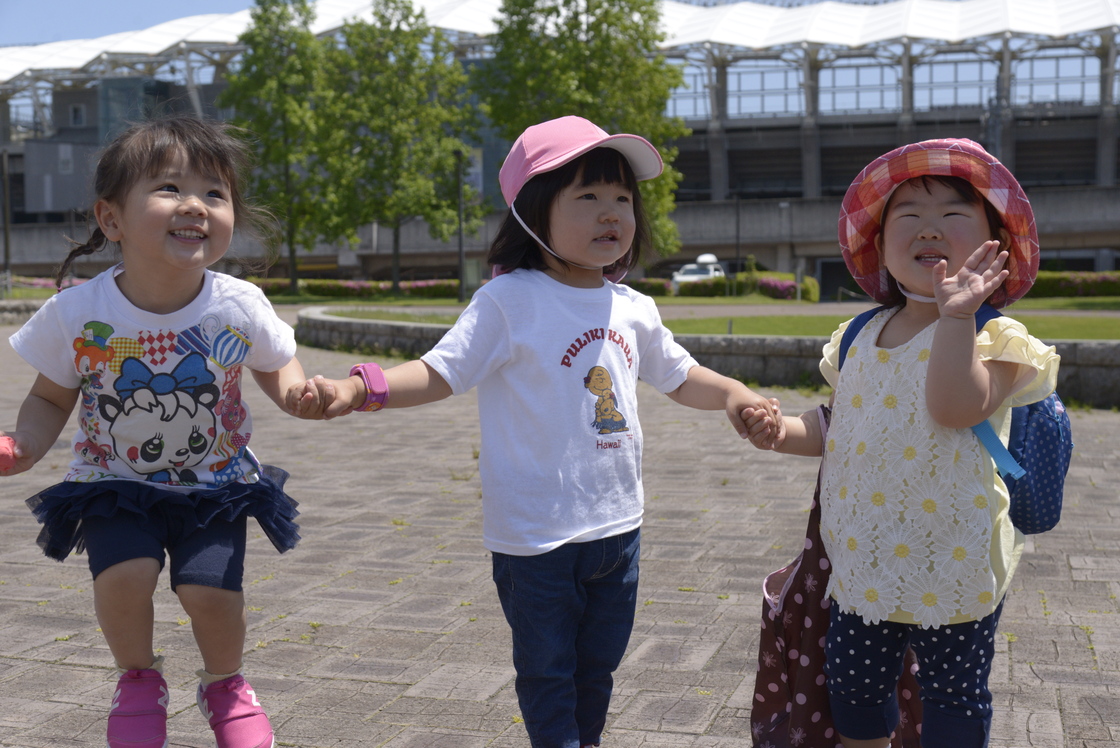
(367, 126)
(397, 103)
(273, 92)
(594, 58)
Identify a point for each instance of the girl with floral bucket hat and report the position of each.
(556, 349)
(914, 517)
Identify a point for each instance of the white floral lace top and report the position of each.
(913, 514)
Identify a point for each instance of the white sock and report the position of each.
(157, 665)
(209, 678)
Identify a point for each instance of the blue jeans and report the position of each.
(571, 611)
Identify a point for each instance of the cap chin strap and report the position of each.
(916, 297)
(548, 248)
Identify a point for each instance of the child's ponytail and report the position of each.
(95, 243)
(214, 148)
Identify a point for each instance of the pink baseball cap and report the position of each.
(552, 144)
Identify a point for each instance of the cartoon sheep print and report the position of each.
(162, 424)
(166, 413)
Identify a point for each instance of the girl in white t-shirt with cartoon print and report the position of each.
(556, 348)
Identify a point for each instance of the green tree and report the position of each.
(273, 91)
(595, 58)
(399, 111)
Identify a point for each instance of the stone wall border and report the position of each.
(1090, 371)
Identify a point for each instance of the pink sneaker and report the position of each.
(235, 715)
(138, 715)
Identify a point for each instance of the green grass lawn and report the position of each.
(431, 319)
(1031, 312)
(31, 293)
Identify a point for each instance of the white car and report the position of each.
(706, 267)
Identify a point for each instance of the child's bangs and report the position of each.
(965, 189)
(162, 147)
(605, 166)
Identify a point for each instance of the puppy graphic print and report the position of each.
(608, 419)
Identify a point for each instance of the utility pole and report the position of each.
(462, 252)
(7, 211)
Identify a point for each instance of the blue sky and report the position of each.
(38, 21)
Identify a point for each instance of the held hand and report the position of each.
(765, 430)
(737, 406)
(981, 274)
(339, 396)
(778, 430)
(320, 398)
(15, 453)
(308, 399)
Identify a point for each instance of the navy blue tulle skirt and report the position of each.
(62, 507)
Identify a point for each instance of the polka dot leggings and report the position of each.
(864, 663)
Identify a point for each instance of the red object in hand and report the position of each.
(7, 452)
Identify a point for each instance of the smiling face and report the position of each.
(174, 220)
(927, 221)
(591, 225)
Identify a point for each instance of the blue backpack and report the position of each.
(1036, 459)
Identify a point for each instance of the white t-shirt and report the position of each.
(160, 393)
(557, 369)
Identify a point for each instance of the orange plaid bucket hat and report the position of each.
(862, 210)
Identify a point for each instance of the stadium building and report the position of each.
(786, 102)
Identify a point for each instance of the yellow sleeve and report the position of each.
(830, 356)
(1006, 339)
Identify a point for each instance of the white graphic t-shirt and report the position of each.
(557, 369)
(160, 394)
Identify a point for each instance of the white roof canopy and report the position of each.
(746, 25)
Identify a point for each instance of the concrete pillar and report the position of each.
(906, 83)
(785, 249)
(1004, 131)
(5, 119)
(192, 87)
(1107, 125)
(1104, 261)
(719, 167)
(810, 128)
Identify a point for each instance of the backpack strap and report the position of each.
(985, 314)
(1005, 463)
(858, 322)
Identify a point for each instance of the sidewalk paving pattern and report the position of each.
(383, 628)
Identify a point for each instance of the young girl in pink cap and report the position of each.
(556, 350)
(914, 517)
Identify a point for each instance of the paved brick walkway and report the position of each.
(383, 629)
